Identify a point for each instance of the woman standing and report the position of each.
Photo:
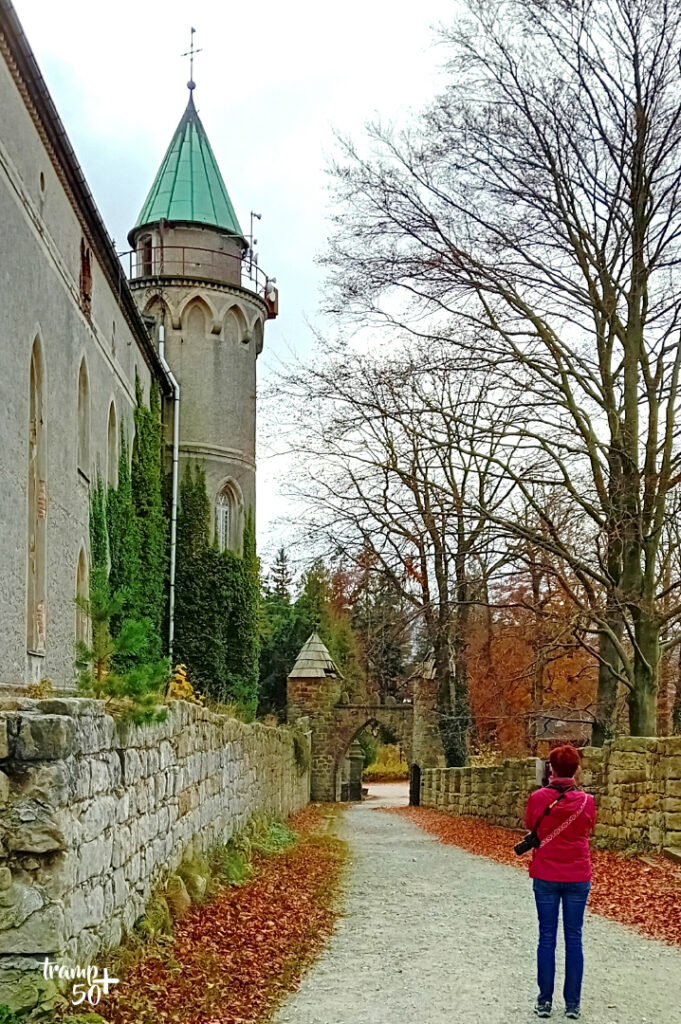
(562, 816)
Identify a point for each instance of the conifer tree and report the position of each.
(217, 599)
(99, 542)
(146, 482)
(139, 687)
(124, 537)
(281, 577)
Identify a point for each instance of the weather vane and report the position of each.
(191, 84)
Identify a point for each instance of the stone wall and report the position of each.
(95, 811)
(637, 785)
(498, 794)
(636, 782)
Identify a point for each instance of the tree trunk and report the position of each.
(461, 697)
(643, 696)
(676, 713)
(608, 680)
(454, 739)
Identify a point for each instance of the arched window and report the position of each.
(82, 595)
(112, 448)
(227, 519)
(36, 612)
(258, 336)
(84, 421)
(146, 255)
(85, 278)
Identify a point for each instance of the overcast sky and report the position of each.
(273, 81)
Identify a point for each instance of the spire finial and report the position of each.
(191, 84)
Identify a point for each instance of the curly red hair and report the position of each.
(564, 761)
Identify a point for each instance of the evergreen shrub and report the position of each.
(217, 603)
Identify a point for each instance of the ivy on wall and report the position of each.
(216, 603)
(217, 593)
(146, 487)
(99, 541)
(128, 533)
(113, 662)
(124, 537)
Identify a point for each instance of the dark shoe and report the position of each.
(543, 1009)
(572, 1012)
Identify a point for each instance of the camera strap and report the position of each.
(547, 810)
(561, 828)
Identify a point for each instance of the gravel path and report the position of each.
(434, 935)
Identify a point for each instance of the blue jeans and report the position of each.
(549, 896)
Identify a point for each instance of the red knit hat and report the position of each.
(564, 761)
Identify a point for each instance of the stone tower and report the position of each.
(313, 690)
(191, 270)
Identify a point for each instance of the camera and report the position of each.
(530, 842)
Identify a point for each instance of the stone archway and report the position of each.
(315, 692)
(349, 720)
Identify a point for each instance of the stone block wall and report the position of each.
(637, 785)
(497, 793)
(636, 782)
(93, 811)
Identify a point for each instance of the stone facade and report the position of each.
(192, 271)
(636, 782)
(69, 311)
(315, 691)
(69, 319)
(95, 811)
(213, 335)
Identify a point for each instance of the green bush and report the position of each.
(370, 746)
(387, 766)
(8, 1016)
(139, 688)
(230, 865)
(270, 838)
(151, 523)
(156, 919)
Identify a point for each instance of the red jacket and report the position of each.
(567, 858)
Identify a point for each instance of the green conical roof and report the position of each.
(189, 186)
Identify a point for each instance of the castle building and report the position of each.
(75, 334)
(191, 270)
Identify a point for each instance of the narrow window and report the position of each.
(85, 278)
(82, 594)
(36, 617)
(112, 448)
(146, 255)
(225, 508)
(84, 421)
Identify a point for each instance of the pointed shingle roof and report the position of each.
(189, 186)
(425, 669)
(314, 661)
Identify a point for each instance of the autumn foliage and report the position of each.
(232, 959)
(522, 658)
(645, 894)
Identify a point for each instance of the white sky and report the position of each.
(273, 81)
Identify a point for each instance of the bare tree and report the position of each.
(387, 472)
(532, 218)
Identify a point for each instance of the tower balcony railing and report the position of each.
(191, 261)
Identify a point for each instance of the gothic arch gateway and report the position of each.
(315, 692)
